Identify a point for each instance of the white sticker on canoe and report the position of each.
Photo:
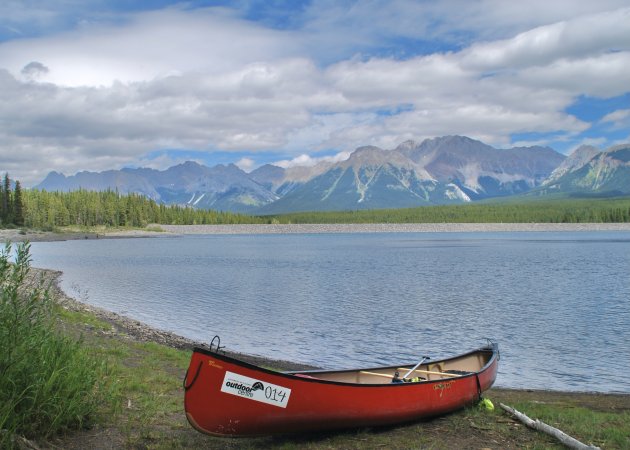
(253, 389)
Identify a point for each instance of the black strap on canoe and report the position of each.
(188, 386)
(218, 344)
(478, 386)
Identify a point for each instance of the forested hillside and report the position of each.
(47, 210)
(524, 211)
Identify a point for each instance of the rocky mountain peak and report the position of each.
(407, 145)
(577, 159)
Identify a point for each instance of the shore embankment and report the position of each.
(393, 228)
(16, 235)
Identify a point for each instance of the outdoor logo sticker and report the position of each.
(253, 389)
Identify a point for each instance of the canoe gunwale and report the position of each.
(491, 348)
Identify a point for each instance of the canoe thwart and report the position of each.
(431, 372)
(364, 372)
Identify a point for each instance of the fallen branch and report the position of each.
(18, 442)
(541, 426)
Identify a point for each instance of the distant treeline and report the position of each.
(523, 211)
(48, 210)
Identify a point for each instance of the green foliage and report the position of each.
(49, 210)
(18, 206)
(48, 382)
(524, 211)
(11, 206)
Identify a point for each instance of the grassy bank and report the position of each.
(147, 409)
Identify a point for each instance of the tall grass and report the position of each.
(48, 382)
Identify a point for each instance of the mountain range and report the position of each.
(450, 169)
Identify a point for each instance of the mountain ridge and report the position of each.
(448, 169)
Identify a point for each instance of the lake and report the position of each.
(558, 303)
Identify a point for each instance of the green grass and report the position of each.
(607, 429)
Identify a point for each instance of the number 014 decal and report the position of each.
(254, 389)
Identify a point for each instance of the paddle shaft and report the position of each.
(424, 358)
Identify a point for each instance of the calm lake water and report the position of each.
(557, 303)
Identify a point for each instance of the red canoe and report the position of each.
(228, 397)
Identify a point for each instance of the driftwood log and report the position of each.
(541, 426)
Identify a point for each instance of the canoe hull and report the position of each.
(228, 397)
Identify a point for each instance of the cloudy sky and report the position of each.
(102, 84)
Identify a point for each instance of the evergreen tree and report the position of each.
(2, 222)
(18, 205)
(6, 200)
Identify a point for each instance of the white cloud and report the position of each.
(148, 46)
(578, 38)
(245, 164)
(619, 118)
(104, 96)
(305, 160)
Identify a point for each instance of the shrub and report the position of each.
(48, 381)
